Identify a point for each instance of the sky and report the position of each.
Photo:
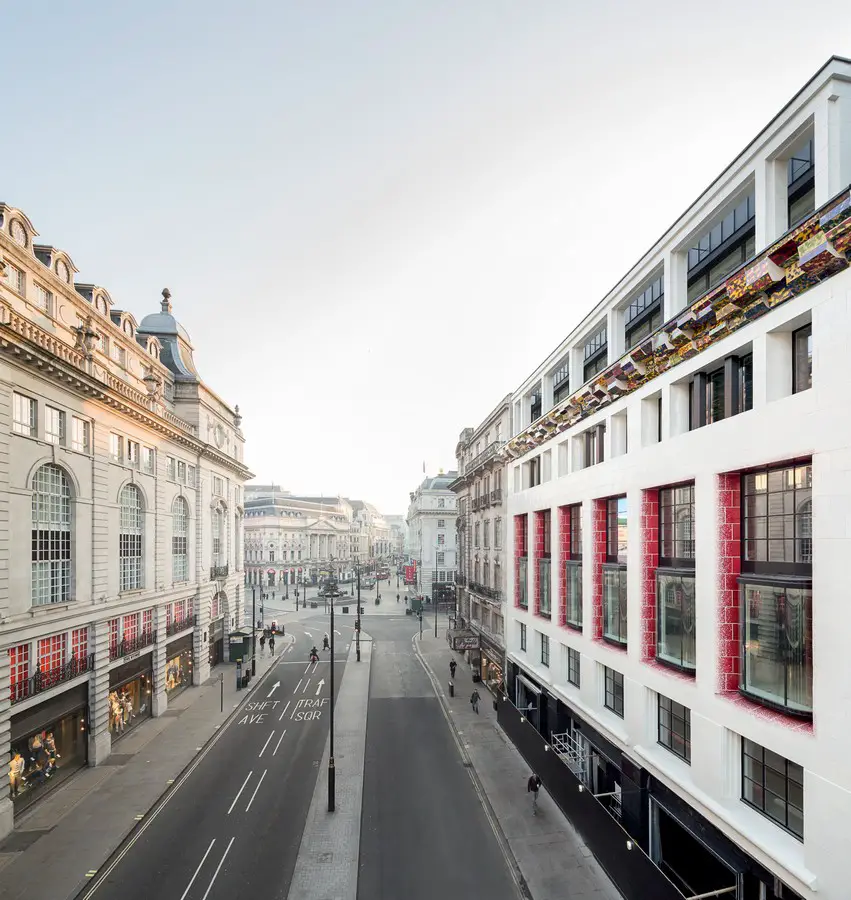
(376, 218)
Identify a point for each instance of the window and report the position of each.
(19, 671)
(80, 645)
(614, 572)
(179, 540)
(15, 279)
(535, 407)
(181, 472)
(497, 533)
(522, 562)
(130, 539)
(543, 521)
(148, 460)
(147, 622)
(441, 523)
(595, 354)
(114, 631)
(119, 354)
(522, 636)
(613, 698)
(573, 666)
(441, 503)
(131, 628)
(773, 785)
(80, 435)
(545, 650)
(218, 486)
(722, 249)
(486, 528)
(594, 447)
(801, 182)
(676, 526)
(43, 298)
(441, 538)
(573, 569)
(171, 467)
(54, 425)
(675, 619)
(116, 447)
(802, 368)
(534, 471)
(133, 454)
(51, 653)
(218, 528)
(722, 393)
(674, 727)
(440, 558)
(23, 415)
(51, 536)
(561, 382)
(476, 533)
(644, 314)
(191, 475)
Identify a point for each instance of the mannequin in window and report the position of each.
(16, 772)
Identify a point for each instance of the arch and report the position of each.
(131, 504)
(129, 482)
(69, 474)
(180, 518)
(51, 518)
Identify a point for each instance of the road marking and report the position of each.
(315, 667)
(239, 792)
(91, 873)
(275, 687)
(285, 711)
(256, 789)
(307, 667)
(337, 632)
(216, 873)
(266, 745)
(319, 688)
(308, 634)
(279, 742)
(140, 817)
(289, 648)
(298, 685)
(305, 687)
(203, 860)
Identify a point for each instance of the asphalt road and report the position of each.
(424, 832)
(235, 824)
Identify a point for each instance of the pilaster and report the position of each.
(6, 809)
(100, 742)
(5, 537)
(101, 503)
(159, 697)
(201, 645)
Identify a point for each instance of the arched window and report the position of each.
(217, 536)
(51, 536)
(130, 539)
(180, 539)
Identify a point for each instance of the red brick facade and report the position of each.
(520, 550)
(729, 568)
(563, 555)
(649, 564)
(599, 557)
(539, 550)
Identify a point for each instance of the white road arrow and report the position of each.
(308, 634)
(337, 632)
(319, 687)
(275, 687)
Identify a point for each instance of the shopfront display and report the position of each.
(217, 641)
(492, 672)
(130, 688)
(49, 742)
(178, 666)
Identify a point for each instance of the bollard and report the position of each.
(451, 688)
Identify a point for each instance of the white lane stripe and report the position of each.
(279, 742)
(315, 665)
(266, 745)
(305, 687)
(256, 789)
(298, 685)
(216, 873)
(203, 858)
(239, 792)
(281, 716)
(306, 668)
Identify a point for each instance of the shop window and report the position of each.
(613, 697)
(178, 672)
(773, 785)
(130, 539)
(614, 572)
(51, 536)
(802, 367)
(674, 727)
(180, 540)
(129, 704)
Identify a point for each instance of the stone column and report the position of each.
(7, 814)
(201, 642)
(159, 697)
(100, 741)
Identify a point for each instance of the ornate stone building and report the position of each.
(121, 479)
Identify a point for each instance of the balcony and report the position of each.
(491, 593)
(485, 456)
(180, 625)
(42, 681)
(131, 645)
(496, 496)
(218, 572)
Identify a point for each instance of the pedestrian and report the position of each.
(532, 787)
(452, 666)
(262, 642)
(474, 701)
(272, 645)
(397, 598)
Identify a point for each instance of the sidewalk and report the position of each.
(547, 850)
(74, 830)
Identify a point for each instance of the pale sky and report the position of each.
(376, 218)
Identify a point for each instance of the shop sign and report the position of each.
(135, 655)
(465, 642)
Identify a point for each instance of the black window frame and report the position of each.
(595, 448)
(687, 619)
(561, 382)
(544, 562)
(574, 674)
(676, 712)
(806, 330)
(573, 569)
(644, 313)
(800, 180)
(535, 410)
(726, 236)
(523, 636)
(721, 393)
(612, 534)
(595, 353)
(670, 499)
(749, 749)
(545, 649)
(613, 688)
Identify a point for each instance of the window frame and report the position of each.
(687, 667)
(59, 438)
(179, 540)
(595, 353)
(116, 448)
(545, 649)
(808, 330)
(672, 711)
(762, 787)
(574, 673)
(613, 687)
(131, 541)
(86, 426)
(675, 560)
(52, 537)
(19, 426)
(523, 636)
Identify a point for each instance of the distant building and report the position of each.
(431, 531)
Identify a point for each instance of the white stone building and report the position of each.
(481, 530)
(683, 457)
(431, 526)
(121, 480)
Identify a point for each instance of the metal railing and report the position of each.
(41, 681)
(489, 592)
(218, 572)
(496, 496)
(131, 645)
(488, 453)
(180, 625)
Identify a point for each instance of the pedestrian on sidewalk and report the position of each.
(452, 667)
(474, 701)
(271, 645)
(263, 642)
(532, 787)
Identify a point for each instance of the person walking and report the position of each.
(533, 785)
(452, 666)
(397, 598)
(263, 642)
(271, 645)
(474, 701)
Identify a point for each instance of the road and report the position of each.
(236, 821)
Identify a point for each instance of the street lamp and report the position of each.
(332, 775)
(357, 623)
(253, 630)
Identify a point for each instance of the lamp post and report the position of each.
(253, 630)
(332, 774)
(357, 624)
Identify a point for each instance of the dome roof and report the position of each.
(177, 348)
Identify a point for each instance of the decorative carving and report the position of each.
(237, 418)
(153, 383)
(86, 337)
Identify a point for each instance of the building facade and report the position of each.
(480, 538)
(431, 527)
(291, 539)
(129, 471)
(678, 480)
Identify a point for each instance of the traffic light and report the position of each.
(357, 625)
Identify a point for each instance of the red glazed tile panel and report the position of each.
(599, 557)
(649, 563)
(519, 551)
(561, 558)
(729, 568)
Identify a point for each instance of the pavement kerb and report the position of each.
(129, 836)
(511, 860)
